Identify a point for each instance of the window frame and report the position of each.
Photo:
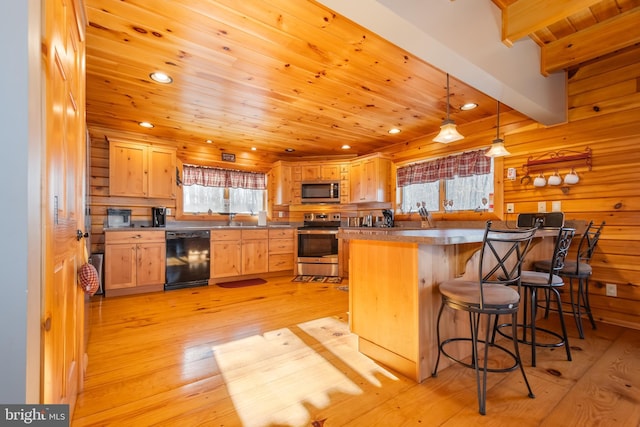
(498, 196)
(180, 214)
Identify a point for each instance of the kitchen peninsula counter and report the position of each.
(393, 290)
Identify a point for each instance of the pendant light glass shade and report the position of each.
(497, 146)
(448, 132)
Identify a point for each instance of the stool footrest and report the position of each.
(471, 365)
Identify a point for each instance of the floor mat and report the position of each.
(242, 283)
(318, 279)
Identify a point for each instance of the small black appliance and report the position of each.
(158, 216)
(388, 218)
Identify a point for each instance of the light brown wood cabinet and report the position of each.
(226, 253)
(281, 247)
(370, 180)
(134, 262)
(320, 172)
(237, 252)
(255, 251)
(281, 184)
(141, 170)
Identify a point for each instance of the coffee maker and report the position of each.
(388, 218)
(158, 216)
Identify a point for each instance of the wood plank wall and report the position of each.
(604, 115)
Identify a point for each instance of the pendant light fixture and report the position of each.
(497, 146)
(448, 132)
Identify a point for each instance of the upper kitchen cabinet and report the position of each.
(141, 170)
(370, 180)
(283, 184)
(321, 172)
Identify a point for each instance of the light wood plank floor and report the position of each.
(280, 354)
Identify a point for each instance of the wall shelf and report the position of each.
(554, 160)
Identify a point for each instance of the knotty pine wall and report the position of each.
(604, 115)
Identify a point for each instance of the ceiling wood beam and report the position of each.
(524, 17)
(616, 33)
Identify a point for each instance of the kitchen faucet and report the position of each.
(231, 216)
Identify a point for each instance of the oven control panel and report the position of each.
(335, 216)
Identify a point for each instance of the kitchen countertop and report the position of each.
(428, 236)
(431, 236)
(178, 227)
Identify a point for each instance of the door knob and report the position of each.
(80, 235)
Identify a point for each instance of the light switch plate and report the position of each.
(511, 208)
(542, 206)
(556, 206)
(168, 211)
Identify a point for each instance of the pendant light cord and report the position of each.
(447, 96)
(498, 126)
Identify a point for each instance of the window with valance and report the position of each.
(218, 190)
(465, 182)
(219, 177)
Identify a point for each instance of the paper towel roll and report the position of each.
(262, 218)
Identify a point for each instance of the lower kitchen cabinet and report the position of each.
(134, 262)
(255, 251)
(281, 249)
(237, 252)
(226, 253)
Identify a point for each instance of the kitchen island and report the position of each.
(393, 290)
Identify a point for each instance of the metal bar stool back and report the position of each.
(500, 265)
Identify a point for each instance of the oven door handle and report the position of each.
(317, 231)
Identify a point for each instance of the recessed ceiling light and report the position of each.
(146, 125)
(394, 131)
(468, 106)
(209, 141)
(289, 150)
(345, 147)
(253, 148)
(160, 77)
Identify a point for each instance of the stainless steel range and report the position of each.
(318, 244)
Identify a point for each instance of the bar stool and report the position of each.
(548, 282)
(500, 265)
(580, 270)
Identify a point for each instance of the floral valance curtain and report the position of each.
(461, 165)
(218, 177)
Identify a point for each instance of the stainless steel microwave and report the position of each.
(320, 192)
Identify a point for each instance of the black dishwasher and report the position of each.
(188, 258)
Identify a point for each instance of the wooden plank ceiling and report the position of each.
(279, 74)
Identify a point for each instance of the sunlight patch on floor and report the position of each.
(335, 336)
(270, 377)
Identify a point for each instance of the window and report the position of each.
(214, 190)
(454, 183)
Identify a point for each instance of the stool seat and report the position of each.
(576, 269)
(539, 278)
(467, 293)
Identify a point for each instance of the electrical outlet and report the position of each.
(542, 206)
(168, 211)
(511, 208)
(611, 290)
(556, 206)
